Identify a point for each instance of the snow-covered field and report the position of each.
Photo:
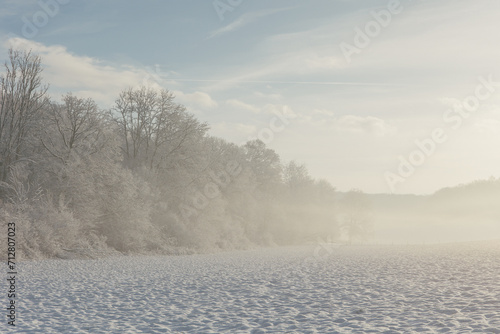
(310, 289)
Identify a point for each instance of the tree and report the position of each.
(324, 192)
(264, 163)
(154, 127)
(22, 99)
(296, 178)
(74, 127)
(356, 215)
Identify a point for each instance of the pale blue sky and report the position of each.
(353, 119)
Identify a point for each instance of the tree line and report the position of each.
(142, 177)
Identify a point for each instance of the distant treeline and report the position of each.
(142, 177)
(465, 212)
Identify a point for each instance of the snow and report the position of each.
(308, 289)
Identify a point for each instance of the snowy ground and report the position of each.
(315, 289)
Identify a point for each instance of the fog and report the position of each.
(146, 177)
(463, 213)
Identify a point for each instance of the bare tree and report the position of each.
(22, 99)
(154, 127)
(76, 126)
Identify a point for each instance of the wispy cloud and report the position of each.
(18, 8)
(242, 105)
(323, 112)
(196, 99)
(244, 20)
(81, 28)
(6, 12)
(369, 125)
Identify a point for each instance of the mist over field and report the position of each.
(463, 213)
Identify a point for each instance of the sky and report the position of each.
(383, 96)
